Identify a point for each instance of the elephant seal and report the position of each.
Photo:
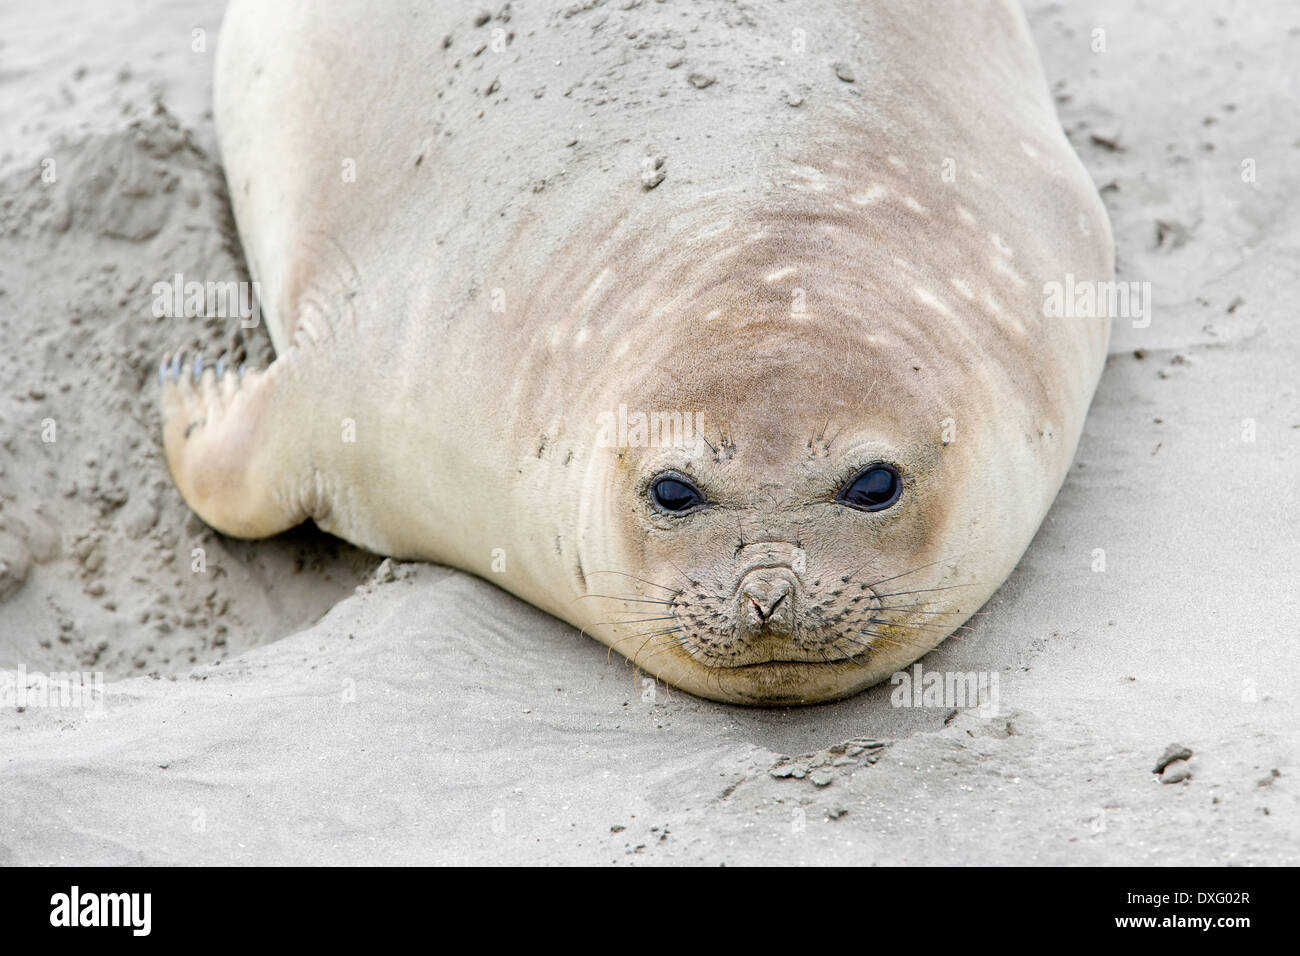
(715, 329)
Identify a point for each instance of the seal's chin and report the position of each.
(773, 652)
(779, 683)
(772, 667)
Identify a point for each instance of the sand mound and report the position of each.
(101, 565)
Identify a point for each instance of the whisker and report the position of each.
(912, 624)
(652, 631)
(694, 584)
(896, 576)
(634, 620)
(648, 639)
(877, 637)
(885, 580)
(949, 587)
(912, 608)
(642, 580)
(649, 636)
(866, 648)
(615, 597)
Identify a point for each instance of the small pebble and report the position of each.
(1172, 752)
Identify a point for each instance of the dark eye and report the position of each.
(676, 495)
(874, 489)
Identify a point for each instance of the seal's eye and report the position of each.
(874, 488)
(676, 494)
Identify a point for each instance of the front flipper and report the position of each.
(239, 444)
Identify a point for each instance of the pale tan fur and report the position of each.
(806, 277)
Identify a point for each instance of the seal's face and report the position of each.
(794, 549)
(761, 607)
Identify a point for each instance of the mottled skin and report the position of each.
(805, 276)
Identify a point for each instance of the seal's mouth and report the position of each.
(776, 664)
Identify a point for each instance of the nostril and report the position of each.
(765, 610)
(765, 599)
(773, 606)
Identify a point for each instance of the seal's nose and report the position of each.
(768, 597)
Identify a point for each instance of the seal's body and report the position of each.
(714, 329)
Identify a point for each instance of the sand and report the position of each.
(300, 701)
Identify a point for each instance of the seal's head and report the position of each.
(793, 521)
(872, 418)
